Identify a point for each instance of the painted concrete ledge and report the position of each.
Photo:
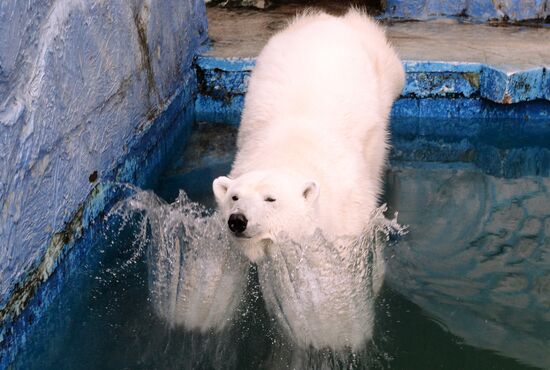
(433, 89)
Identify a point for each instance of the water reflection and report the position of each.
(477, 255)
(476, 258)
(503, 148)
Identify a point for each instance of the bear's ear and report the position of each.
(311, 191)
(220, 186)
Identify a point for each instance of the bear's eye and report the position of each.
(269, 199)
(235, 198)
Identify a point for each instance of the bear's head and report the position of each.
(262, 206)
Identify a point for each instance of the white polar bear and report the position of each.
(311, 150)
(313, 136)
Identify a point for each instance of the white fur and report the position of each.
(313, 135)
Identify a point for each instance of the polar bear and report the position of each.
(313, 137)
(311, 150)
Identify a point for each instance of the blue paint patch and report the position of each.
(212, 110)
(406, 107)
(508, 88)
(469, 108)
(448, 108)
(546, 84)
(222, 86)
(438, 66)
(478, 10)
(226, 64)
(405, 9)
(441, 84)
(441, 7)
(482, 10)
(534, 110)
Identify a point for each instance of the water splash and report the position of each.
(323, 292)
(196, 278)
(320, 293)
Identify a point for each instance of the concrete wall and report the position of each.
(79, 80)
(479, 10)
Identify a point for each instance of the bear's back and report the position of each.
(325, 71)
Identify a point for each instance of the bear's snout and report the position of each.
(237, 223)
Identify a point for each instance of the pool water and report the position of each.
(468, 287)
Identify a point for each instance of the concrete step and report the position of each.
(470, 70)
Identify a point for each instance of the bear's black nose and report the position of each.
(237, 222)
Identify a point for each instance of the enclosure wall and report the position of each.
(85, 90)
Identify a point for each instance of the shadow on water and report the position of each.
(467, 287)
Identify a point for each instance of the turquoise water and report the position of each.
(467, 288)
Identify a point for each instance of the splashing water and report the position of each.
(320, 293)
(323, 292)
(195, 278)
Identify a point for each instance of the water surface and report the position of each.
(467, 288)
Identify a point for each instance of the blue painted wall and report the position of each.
(479, 10)
(79, 82)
